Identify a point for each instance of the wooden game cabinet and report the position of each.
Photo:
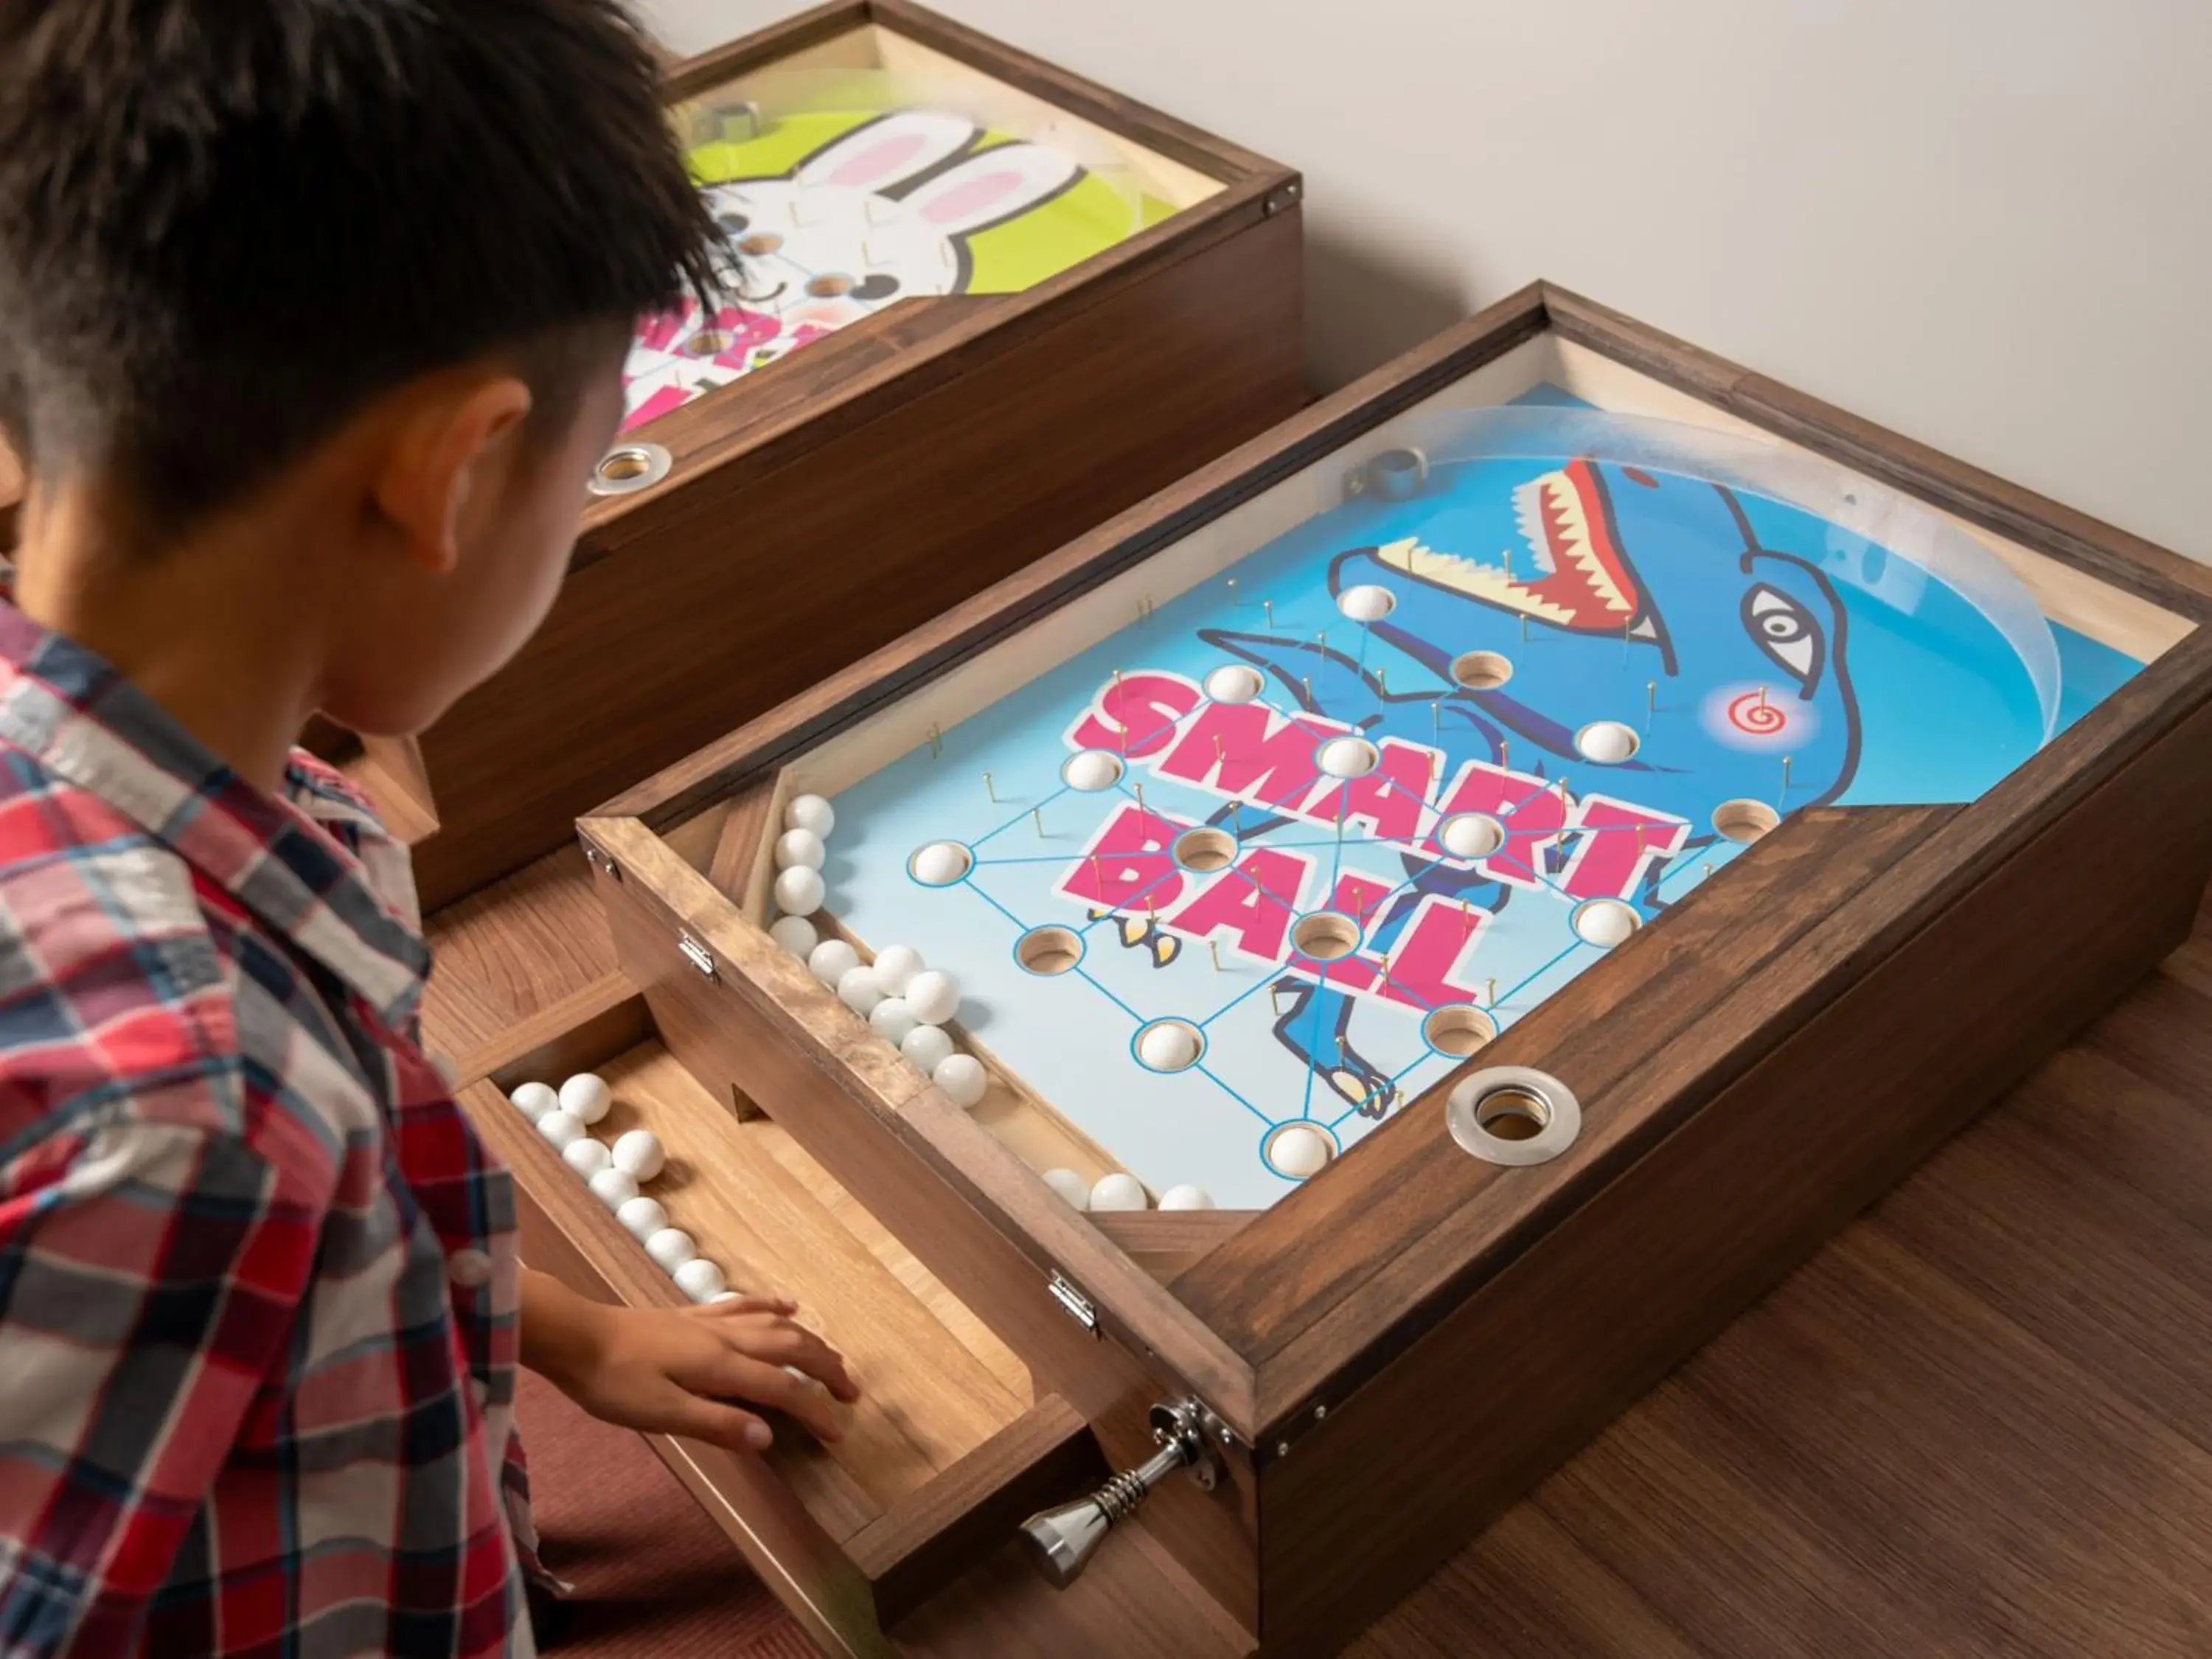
(817, 510)
(1399, 1349)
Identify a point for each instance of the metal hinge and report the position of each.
(696, 954)
(1277, 200)
(1079, 1306)
(599, 860)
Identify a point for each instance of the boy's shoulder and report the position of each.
(134, 988)
(117, 969)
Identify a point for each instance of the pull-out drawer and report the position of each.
(953, 1440)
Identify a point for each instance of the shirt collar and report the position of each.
(84, 721)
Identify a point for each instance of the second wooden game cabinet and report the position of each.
(776, 528)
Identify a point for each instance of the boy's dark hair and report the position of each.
(226, 225)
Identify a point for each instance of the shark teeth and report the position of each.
(1554, 521)
(1471, 577)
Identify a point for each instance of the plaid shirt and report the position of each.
(257, 1276)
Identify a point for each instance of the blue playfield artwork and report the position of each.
(1233, 885)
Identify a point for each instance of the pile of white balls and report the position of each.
(907, 1003)
(615, 1173)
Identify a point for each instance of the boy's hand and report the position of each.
(673, 1370)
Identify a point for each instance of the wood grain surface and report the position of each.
(1973, 1425)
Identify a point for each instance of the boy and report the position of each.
(312, 316)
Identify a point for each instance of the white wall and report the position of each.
(1987, 223)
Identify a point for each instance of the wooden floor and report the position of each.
(1978, 1423)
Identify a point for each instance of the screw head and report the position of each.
(1320, 1411)
(1282, 1448)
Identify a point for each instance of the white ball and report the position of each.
(586, 1156)
(962, 1078)
(927, 1047)
(1118, 1191)
(1607, 742)
(934, 996)
(895, 967)
(893, 1020)
(1235, 682)
(797, 847)
(586, 1095)
(1300, 1151)
(809, 812)
(858, 990)
(700, 1280)
(642, 1217)
(1472, 835)
(941, 863)
(614, 1188)
(832, 960)
(1189, 1198)
(638, 1154)
(797, 935)
(1606, 922)
(1347, 758)
(1167, 1047)
(534, 1100)
(800, 891)
(561, 1127)
(1072, 1188)
(672, 1246)
(1091, 770)
(1365, 603)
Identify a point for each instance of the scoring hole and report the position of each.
(830, 285)
(1205, 850)
(1050, 951)
(1745, 821)
(1481, 670)
(1326, 935)
(761, 241)
(1458, 1028)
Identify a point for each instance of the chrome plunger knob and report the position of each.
(1062, 1541)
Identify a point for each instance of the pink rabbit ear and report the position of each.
(880, 154)
(993, 186)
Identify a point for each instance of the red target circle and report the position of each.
(1753, 713)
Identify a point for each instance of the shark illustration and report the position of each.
(1608, 594)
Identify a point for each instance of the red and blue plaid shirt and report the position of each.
(257, 1277)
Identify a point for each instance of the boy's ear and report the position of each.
(432, 462)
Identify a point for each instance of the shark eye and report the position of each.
(1786, 631)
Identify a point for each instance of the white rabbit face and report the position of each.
(880, 215)
(831, 249)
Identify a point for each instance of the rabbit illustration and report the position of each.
(880, 213)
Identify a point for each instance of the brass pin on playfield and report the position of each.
(988, 790)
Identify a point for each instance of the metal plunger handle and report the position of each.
(1062, 1541)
